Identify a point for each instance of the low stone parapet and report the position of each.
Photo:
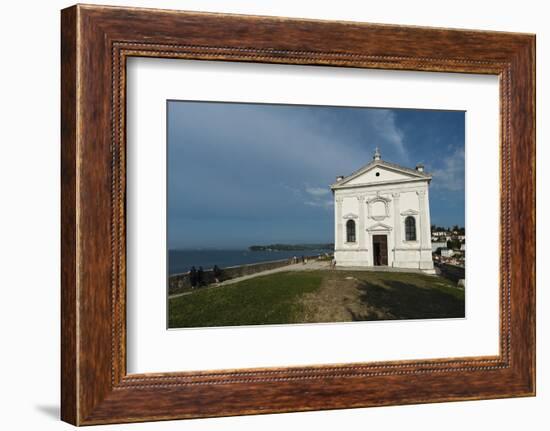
(179, 283)
(452, 272)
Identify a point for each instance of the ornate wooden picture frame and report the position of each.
(96, 41)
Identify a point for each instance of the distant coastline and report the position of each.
(181, 261)
(292, 247)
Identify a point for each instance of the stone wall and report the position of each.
(452, 272)
(178, 283)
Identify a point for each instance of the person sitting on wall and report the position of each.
(193, 277)
(200, 277)
(217, 273)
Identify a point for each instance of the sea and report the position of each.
(182, 260)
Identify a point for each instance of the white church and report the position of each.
(382, 217)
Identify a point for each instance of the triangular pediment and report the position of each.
(379, 227)
(409, 213)
(380, 172)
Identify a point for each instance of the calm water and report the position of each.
(182, 260)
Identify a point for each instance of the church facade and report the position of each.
(382, 217)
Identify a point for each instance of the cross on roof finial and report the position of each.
(376, 154)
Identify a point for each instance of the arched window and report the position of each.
(410, 229)
(350, 231)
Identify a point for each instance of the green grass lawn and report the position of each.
(319, 296)
(270, 299)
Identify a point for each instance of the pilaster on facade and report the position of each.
(361, 231)
(422, 215)
(339, 223)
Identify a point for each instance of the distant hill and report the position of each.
(291, 247)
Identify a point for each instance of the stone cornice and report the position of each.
(379, 183)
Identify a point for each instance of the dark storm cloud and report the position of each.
(251, 173)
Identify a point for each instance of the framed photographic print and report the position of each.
(265, 214)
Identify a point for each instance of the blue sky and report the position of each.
(243, 174)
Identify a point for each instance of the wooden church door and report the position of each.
(380, 249)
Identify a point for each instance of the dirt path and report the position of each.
(312, 264)
(339, 300)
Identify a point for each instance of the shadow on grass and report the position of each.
(388, 300)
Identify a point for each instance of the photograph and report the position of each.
(284, 214)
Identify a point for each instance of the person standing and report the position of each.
(193, 277)
(200, 277)
(217, 273)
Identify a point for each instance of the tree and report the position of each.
(453, 244)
